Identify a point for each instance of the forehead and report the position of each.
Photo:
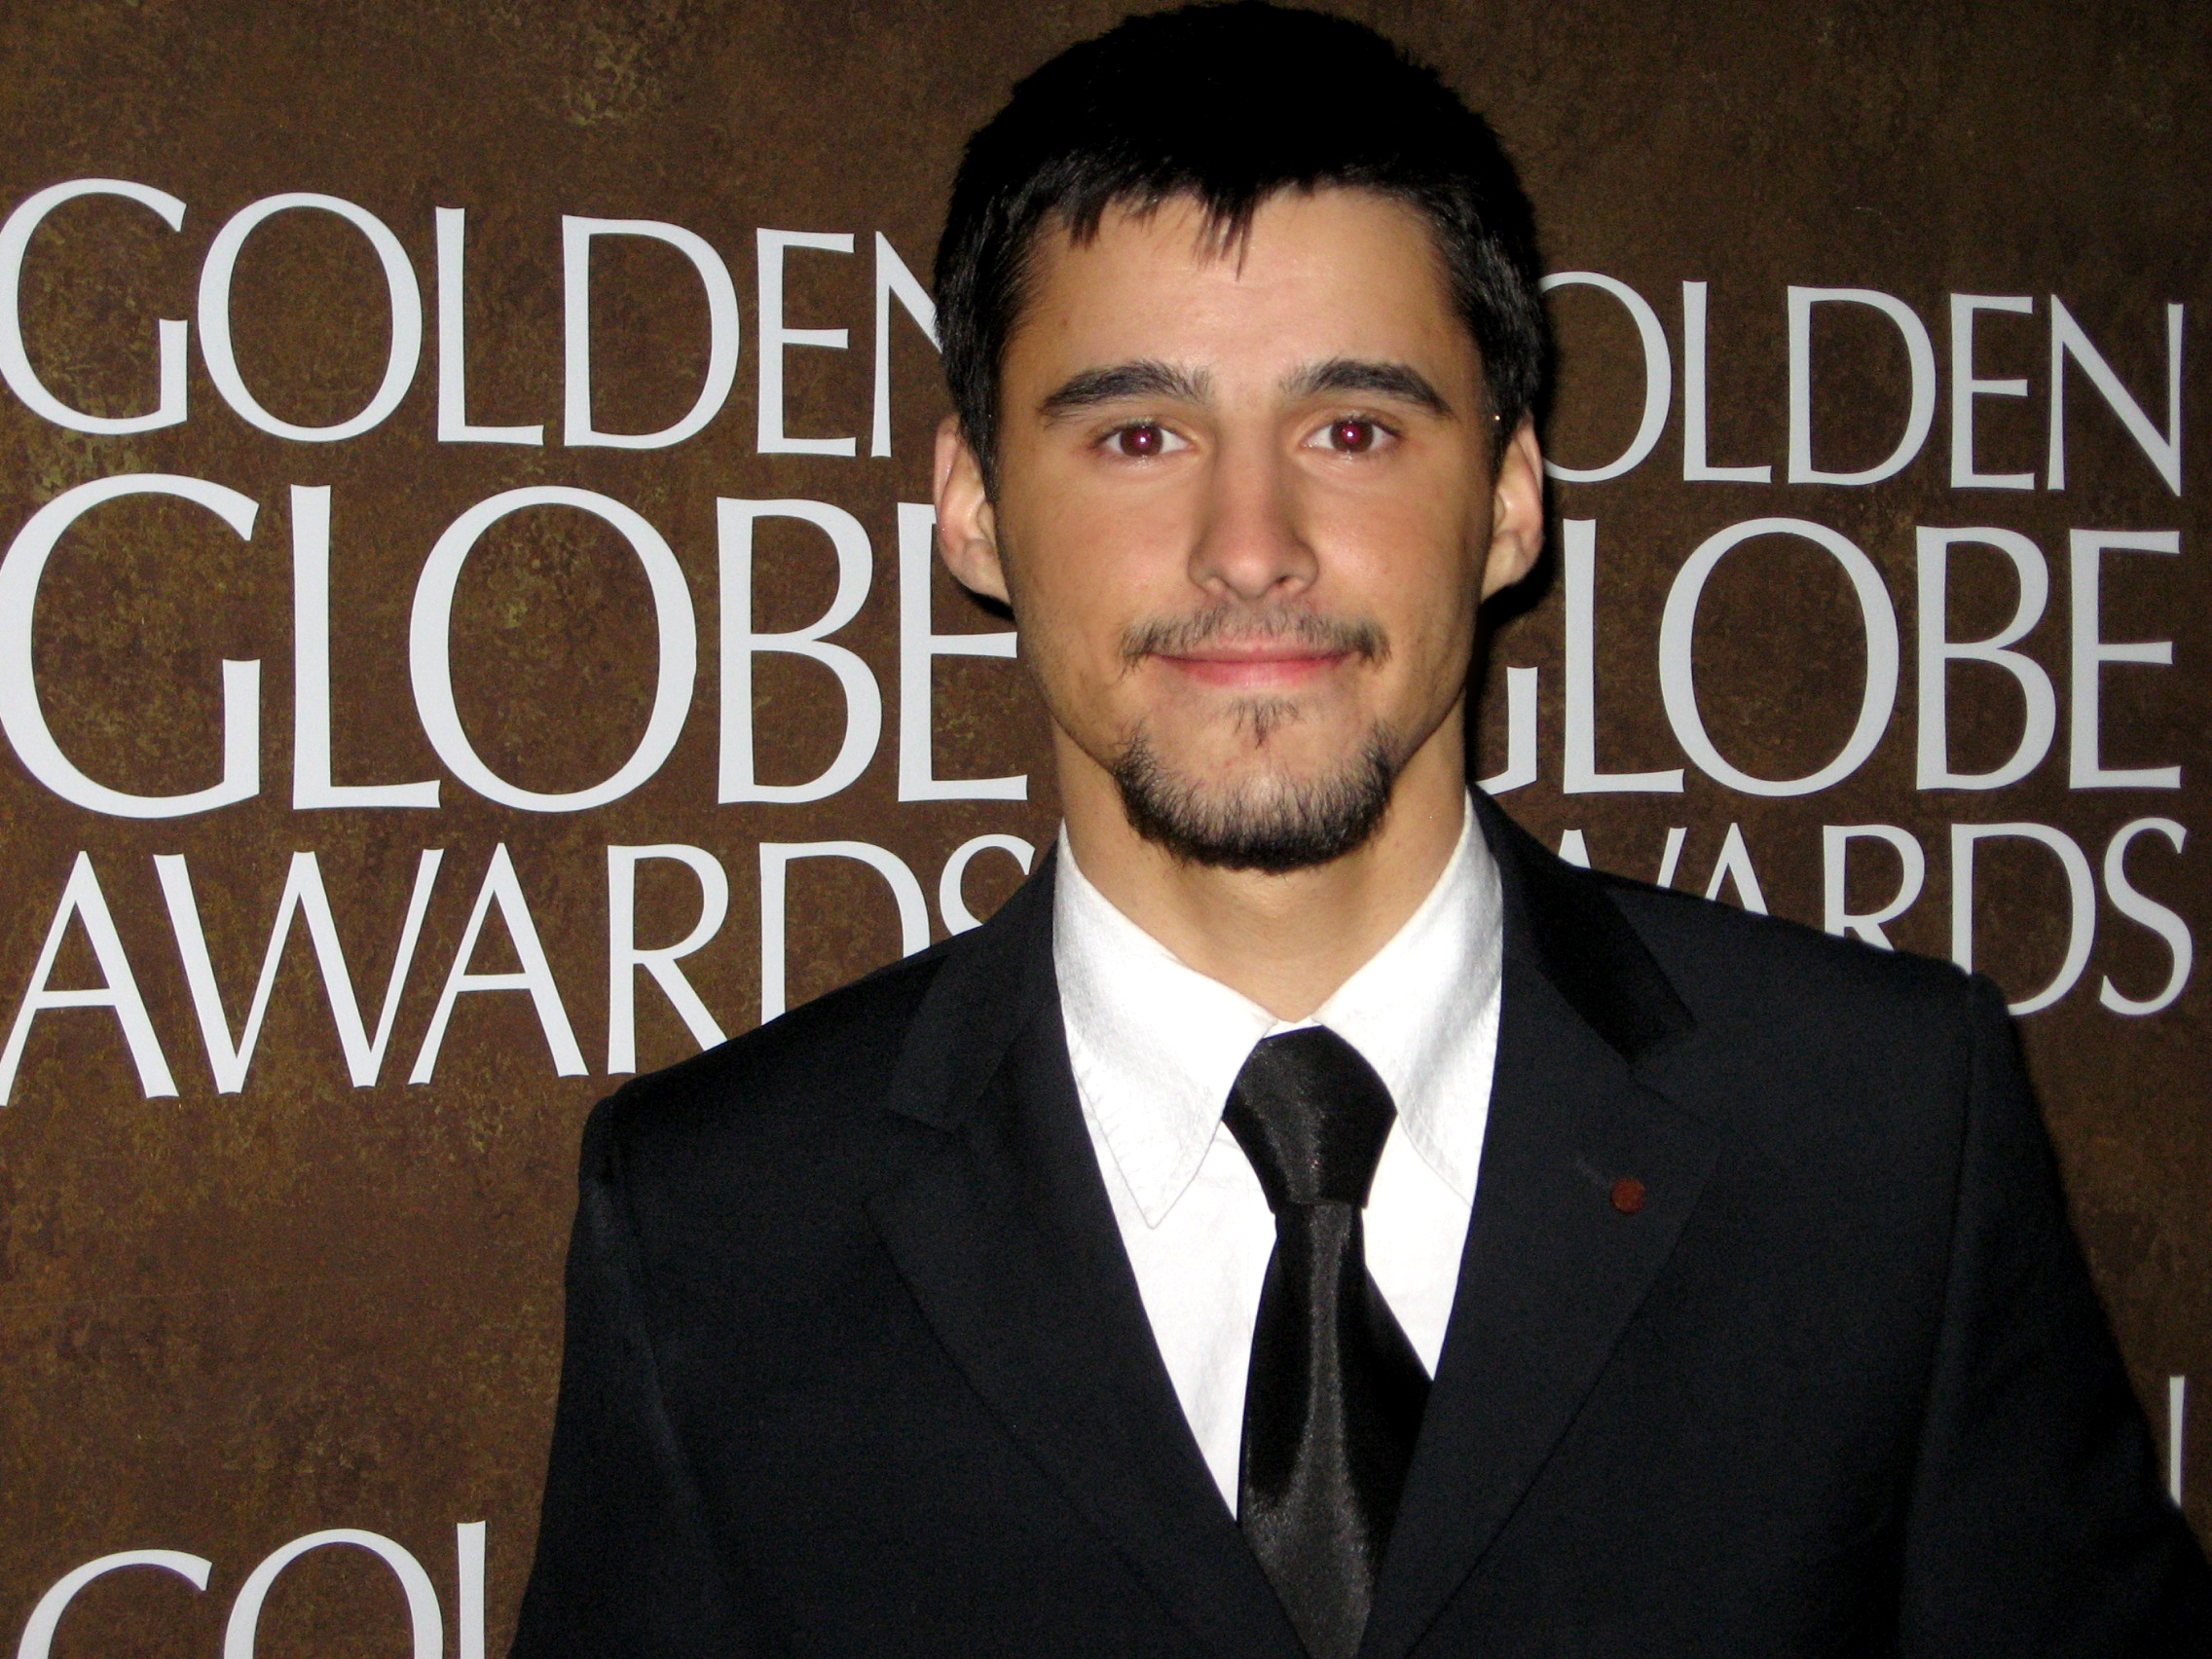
(1331, 273)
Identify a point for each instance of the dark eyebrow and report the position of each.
(1401, 381)
(1144, 378)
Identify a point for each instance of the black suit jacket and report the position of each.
(856, 1365)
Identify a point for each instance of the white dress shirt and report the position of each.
(1156, 1045)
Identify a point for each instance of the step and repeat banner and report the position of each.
(468, 633)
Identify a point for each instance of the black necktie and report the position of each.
(1334, 1399)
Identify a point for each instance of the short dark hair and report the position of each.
(1230, 104)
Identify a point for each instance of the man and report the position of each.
(1310, 1217)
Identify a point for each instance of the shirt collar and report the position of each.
(1156, 1044)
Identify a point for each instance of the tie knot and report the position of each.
(1312, 1116)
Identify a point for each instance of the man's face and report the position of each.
(1246, 510)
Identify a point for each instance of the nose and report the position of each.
(1249, 544)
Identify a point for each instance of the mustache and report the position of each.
(1242, 625)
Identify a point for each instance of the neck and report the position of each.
(1286, 942)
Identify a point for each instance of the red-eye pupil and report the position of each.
(1354, 437)
(1140, 441)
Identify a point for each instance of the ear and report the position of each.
(1516, 512)
(967, 527)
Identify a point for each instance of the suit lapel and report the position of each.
(1003, 1230)
(1554, 1265)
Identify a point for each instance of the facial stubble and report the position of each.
(1273, 823)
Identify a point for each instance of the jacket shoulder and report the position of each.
(1649, 964)
(1709, 943)
(1771, 996)
(801, 1076)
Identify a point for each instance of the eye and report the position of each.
(1352, 435)
(1143, 440)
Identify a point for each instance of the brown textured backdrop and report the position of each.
(227, 1320)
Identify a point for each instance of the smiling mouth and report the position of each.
(1270, 666)
(1238, 650)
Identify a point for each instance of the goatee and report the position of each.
(1270, 825)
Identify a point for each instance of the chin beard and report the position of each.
(1271, 823)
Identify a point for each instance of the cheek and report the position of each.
(1418, 580)
(1090, 573)
(1410, 560)
(1071, 627)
